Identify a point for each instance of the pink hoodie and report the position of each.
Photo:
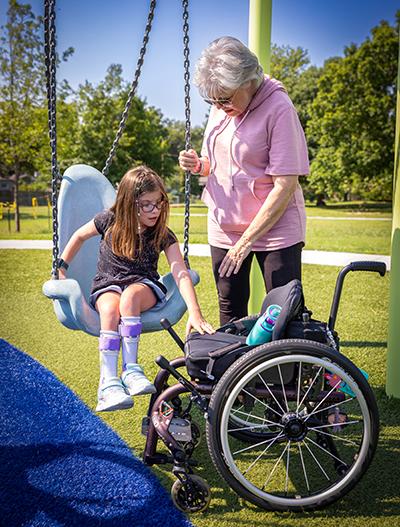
(244, 152)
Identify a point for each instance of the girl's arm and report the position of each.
(185, 285)
(75, 243)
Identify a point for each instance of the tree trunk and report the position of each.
(16, 201)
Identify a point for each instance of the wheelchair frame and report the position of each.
(298, 397)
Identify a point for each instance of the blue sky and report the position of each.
(104, 32)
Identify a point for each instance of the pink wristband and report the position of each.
(199, 167)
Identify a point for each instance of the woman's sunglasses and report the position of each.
(223, 101)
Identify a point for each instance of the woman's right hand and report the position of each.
(189, 160)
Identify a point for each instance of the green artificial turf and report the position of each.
(27, 321)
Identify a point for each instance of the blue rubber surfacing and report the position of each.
(60, 465)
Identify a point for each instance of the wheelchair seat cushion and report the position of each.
(290, 298)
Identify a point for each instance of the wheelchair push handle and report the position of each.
(377, 267)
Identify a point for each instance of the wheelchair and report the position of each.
(291, 425)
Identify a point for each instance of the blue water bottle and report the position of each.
(262, 329)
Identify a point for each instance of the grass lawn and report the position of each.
(370, 236)
(28, 322)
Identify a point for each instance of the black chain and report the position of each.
(50, 62)
(132, 91)
(186, 65)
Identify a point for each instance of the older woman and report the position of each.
(253, 151)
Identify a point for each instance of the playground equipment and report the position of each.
(85, 192)
(281, 429)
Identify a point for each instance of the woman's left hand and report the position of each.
(198, 323)
(234, 258)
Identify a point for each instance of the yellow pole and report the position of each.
(34, 208)
(393, 347)
(260, 18)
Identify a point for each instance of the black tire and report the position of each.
(301, 479)
(195, 500)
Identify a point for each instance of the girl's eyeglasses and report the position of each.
(148, 206)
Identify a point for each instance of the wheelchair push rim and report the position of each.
(319, 443)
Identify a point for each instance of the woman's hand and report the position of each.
(234, 258)
(197, 322)
(62, 274)
(189, 160)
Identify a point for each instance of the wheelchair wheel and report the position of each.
(319, 417)
(193, 496)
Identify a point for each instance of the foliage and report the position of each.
(100, 109)
(23, 111)
(22, 114)
(352, 120)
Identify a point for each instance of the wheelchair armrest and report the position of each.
(71, 307)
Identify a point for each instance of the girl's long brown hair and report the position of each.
(125, 230)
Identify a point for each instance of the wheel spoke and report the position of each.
(324, 399)
(283, 388)
(276, 464)
(316, 460)
(247, 428)
(252, 446)
(309, 388)
(261, 419)
(262, 453)
(304, 467)
(329, 407)
(338, 424)
(326, 451)
(273, 396)
(261, 402)
(287, 468)
(298, 389)
(344, 439)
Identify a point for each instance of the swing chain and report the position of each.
(51, 64)
(132, 90)
(187, 128)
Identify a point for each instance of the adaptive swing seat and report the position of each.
(84, 192)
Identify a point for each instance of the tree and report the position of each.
(24, 146)
(22, 114)
(145, 139)
(353, 119)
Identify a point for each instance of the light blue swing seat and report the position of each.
(84, 192)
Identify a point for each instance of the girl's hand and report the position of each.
(61, 274)
(234, 258)
(198, 323)
(189, 160)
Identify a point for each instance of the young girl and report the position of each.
(133, 233)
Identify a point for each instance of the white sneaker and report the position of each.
(113, 396)
(135, 381)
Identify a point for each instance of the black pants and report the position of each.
(278, 268)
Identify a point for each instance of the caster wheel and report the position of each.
(191, 498)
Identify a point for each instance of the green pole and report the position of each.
(260, 16)
(393, 348)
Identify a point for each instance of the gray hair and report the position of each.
(224, 66)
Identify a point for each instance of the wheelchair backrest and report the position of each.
(290, 298)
